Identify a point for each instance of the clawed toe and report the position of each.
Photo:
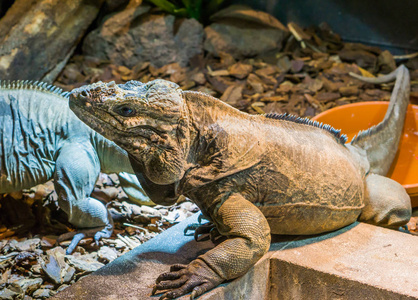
(202, 232)
(183, 279)
(85, 233)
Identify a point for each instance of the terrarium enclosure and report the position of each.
(261, 57)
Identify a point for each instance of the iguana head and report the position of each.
(149, 120)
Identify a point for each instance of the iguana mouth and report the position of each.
(84, 115)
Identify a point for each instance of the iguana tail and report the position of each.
(381, 141)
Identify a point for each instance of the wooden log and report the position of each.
(37, 37)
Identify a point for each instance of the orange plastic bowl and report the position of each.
(352, 118)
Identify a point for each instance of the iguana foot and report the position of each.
(195, 277)
(97, 235)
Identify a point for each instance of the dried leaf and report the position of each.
(258, 108)
(365, 73)
(327, 96)
(297, 65)
(218, 73)
(232, 94)
(240, 70)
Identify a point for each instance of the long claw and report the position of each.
(172, 275)
(177, 267)
(154, 290)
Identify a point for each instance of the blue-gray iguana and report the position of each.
(41, 139)
(251, 175)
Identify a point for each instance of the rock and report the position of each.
(23, 257)
(28, 245)
(37, 43)
(43, 293)
(29, 285)
(243, 32)
(55, 267)
(69, 275)
(13, 291)
(150, 211)
(145, 38)
(62, 287)
(53, 270)
(107, 254)
(84, 264)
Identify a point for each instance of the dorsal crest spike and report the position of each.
(33, 85)
(341, 138)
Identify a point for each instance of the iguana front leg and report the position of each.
(248, 238)
(76, 171)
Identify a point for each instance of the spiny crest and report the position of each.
(342, 138)
(368, 132)
(33, 85)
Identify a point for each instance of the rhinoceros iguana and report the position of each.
(41, 139)
(251, 175)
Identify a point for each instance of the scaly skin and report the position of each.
(42, 139)
(250, 175)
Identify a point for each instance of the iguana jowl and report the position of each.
(250, 175)
(41, 139)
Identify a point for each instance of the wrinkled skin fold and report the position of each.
(250, 175)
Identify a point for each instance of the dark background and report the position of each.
(389, 24)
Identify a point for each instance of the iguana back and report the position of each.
(34, 121)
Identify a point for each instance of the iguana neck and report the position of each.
(205, 116)
(112, 158)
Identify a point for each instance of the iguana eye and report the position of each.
(125, 111)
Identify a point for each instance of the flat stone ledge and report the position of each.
(360, 261)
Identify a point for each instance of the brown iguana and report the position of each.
(251, 175)
(42, 139)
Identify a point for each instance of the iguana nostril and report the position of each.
(83, 94)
